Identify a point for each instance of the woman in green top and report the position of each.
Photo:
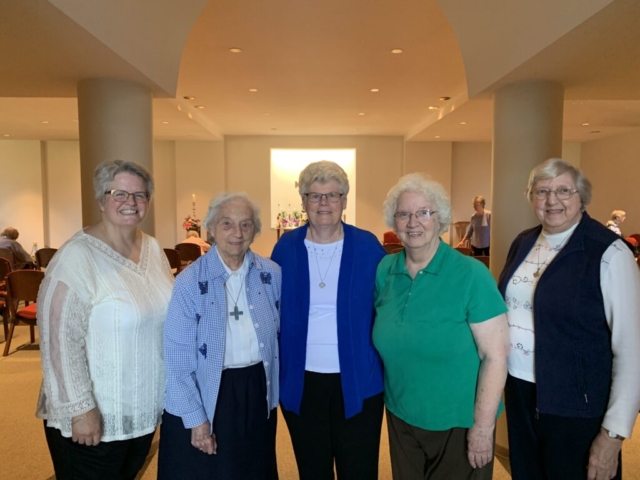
(441, 331)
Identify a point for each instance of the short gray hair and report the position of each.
(106, 172)
(432, 191)
(220, 200)
(554, 167)
(323, 171)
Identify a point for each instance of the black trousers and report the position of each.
(246, 438)
(321, 434)
(477, 252)
(119, 460)
(546, 447)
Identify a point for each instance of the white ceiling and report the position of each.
(314, 64)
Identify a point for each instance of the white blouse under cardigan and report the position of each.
(101, 319)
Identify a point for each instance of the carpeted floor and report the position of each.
(24, 450)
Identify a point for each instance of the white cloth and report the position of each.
(322, 336)
(241, 342)
(101, 319)
(619, 275)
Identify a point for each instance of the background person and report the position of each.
(572, 393)
(331, 376)
(194, 237)
(442, 334)
(221, 352)
(101, 310)
(9, 240)
(479, 229)
(617, 219)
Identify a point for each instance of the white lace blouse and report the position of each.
(101, 319)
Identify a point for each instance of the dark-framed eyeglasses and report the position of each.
(404, 217)
(332, 197)
(122, 196)
(561, 193)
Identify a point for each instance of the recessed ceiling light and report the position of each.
(253, 90)
(6, 135)
(595, 131)
(266, 114)
(586, 124)
(165, 123)
(396, 50)
(200, 107)
(235, 50)
(444, 99)
(274, 129)
(433, 107)
(463, 123)
(437, 136)
(374, 90)
(189, 97)
(361, 113)
(45, 121)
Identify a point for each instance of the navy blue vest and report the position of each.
(573, 356)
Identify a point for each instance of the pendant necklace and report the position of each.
(315, 254)
(537, 273)
(236, 312)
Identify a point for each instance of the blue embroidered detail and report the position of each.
(198, 318)
(203, 350)
(265, 277)
(204, 287)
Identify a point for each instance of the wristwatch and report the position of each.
(613, 435)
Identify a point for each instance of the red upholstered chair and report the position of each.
(5, 269)
(44, 256)
(393, 247)
(22, 285)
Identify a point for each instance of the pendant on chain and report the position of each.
(321, 285)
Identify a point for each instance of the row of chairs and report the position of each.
(182, 255)
(43, 256)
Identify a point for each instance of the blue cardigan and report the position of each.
(360, 365)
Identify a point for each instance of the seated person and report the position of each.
(193, 237)
(617, 218)
(8, 239)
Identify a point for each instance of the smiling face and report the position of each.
(234, 231)
(557, 215)
(128, 213)
(324, 213)
(417, 234)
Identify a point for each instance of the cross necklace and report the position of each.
(315, 254)
(558, 247)
(236, 312)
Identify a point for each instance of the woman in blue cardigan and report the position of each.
(330, 374)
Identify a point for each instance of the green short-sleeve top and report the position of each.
(423, 335)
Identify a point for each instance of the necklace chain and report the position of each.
(315, 254)
(540, 264)
(236, 311)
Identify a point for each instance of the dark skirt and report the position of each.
(246, 438)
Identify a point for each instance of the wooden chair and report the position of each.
(484, 259)
(464, 250)
(189, 252)
(5, 269)
(44, 256)
(174, 259)
(393, 247)
(22, 285)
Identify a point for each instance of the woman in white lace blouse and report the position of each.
(101, 310)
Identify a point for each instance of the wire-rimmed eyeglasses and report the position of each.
(332, 197)
(561, 193)
(404, 217)
(122, 196)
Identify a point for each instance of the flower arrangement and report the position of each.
(191, 223)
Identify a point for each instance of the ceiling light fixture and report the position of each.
(463, 123)
(374, 90)
(189, 97)
(200, 107)
(235, 50)
(6, 135)
(396, 50)
(361, 113)
(595, 131)
(165, 123)
(266, 114)
(433, 107)
(253, 90)
(274, 129)
(45, 121)
(437, 136)
(586, 124)
(444, 99)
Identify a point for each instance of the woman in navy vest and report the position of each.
(572, 394)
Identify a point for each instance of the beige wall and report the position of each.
(163, 204)
(21, 203)
(613, 166)
(471, 176)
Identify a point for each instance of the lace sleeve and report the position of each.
(63, 319)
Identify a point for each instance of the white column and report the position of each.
(115, 120)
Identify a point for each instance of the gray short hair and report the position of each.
(323, 171)
(220, 200)
(106, 172)
(554, 167)
(432, 191)
(10, 233)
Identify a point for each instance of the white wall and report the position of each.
(613, 166)
(21, 203)
(164, 198)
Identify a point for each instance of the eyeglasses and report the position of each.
(333, 197)
(121, 196)
(562, 193)
(404, 217)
